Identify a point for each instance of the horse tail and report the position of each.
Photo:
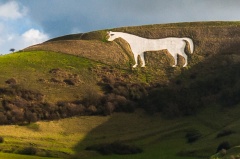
(190, 43)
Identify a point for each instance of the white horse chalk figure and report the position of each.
(140, 45)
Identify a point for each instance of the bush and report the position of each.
(91, 97)
(224, 133)
(28, 151)
(113, 102)
(109, 108)
(115, 148)
(30, 117)
(11, 81)
(69, 82)
(1, 139)
(3, 118)
(230, 97)
(92, 110)
(74, 109)
(224, 145)
(193, 136)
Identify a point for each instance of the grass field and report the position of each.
(156, 136)
(16, 156)
(71, 136)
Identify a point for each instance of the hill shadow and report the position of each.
(211, 78)
(214, 80)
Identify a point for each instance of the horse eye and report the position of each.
(111, 34)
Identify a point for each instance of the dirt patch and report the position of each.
(64, 77)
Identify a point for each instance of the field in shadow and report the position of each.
(203, 97)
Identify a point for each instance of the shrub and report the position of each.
(124, 105)
(91, 97)
(1, 139)
(92, 109)
(30, 117)
(3, 118)
(18, 115)
(109, 108)
(28, 151)
(224, 145)
(224, 133)
(122, 149)
(230, 97)
(119, 103)
(115, 148)
(11, 81)
(193, 136)
(137, 91)
(69, 82)
(74, 109)
(171, 110)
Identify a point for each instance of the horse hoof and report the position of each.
(134, 66)
(143, 66)
(173, 65)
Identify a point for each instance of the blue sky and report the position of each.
(28, 22)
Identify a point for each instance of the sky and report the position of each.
(27, 22)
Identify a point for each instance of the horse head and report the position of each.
(111, 36)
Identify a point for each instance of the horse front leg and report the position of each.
(175, 60)
(136, 60)
(143, 60)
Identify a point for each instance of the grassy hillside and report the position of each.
(32, 70)
(210, 39)
(187, 113)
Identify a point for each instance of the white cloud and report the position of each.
(12, 10)
(17, 30)
(18, 42)
(34, 36)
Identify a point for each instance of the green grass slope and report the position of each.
(32, 70)
(193, 109)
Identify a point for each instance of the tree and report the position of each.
(12, 50)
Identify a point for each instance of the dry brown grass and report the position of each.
(108, 53)
(209, 38)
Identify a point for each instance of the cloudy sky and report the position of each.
(28, 22)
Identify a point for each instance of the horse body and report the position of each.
(140, 45)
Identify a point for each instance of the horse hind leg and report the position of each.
(136, 60)
(186, 59)
(143, 60)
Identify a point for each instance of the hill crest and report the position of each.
(210, 39)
